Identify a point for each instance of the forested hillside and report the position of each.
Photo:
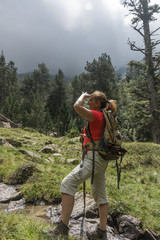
(46, 104)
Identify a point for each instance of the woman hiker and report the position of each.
(96, 101)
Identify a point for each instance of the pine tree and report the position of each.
(41, 81)
(101, 76)
(57, 96)
(134, 106)
(2, 79)
(8, 79)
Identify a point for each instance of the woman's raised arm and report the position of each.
(81, 110)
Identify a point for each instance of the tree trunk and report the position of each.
(150, 75)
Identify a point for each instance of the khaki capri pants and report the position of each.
(73, 179)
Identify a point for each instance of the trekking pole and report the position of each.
(82, 232)
(84, 211)
(84, 201)
(84, 198)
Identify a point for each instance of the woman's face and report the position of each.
(93, 105)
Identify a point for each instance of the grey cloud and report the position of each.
(33, 31)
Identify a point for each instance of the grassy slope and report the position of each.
(140, 179)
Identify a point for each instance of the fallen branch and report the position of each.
(4, 119)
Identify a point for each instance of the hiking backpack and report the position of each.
(109, 146)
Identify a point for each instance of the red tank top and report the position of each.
(96, 127)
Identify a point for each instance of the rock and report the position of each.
(32, 143)
(2, 141)
(79, 227)
(5, 124)
(50, 160)
(73, 149)
(53, 134)
(14, 142)
(16, 205)
(54, 213)
(110, 222)
(30, 154)
(48, 142)
(78, 210)
(22, 174)
(57, 154)
(56, 148)
(40, 203)
(51, 149)
(73, 161)
(129, 227)
(9, 193)
(6, 144)
(47, 150)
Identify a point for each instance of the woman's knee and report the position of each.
(100, 197)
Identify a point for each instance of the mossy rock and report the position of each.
(22, 174)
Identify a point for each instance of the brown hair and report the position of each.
(100, 96)
(111, 106)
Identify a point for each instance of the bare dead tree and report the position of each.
(142, 16)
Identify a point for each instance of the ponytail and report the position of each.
(111, 106)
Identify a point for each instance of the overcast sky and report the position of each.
(66, 33)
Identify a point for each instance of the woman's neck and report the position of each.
(96, 109)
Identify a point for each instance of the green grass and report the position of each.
(21, 227)
(140, 184)
(140, 178)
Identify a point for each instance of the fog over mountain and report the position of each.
(66, 33)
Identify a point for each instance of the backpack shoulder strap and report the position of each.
(109, 115)
(108, 124)
(89, 133)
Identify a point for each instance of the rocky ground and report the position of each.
(123, 227)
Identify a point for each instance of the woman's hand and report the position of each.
(82, 135)
(80, 100)
(80, 109)
(85, 95)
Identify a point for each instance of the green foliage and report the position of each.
(57, 96)
(37, 83)
(11, 107)
(41, 80)
(74, 132)
(35, 90)
(134, 106)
